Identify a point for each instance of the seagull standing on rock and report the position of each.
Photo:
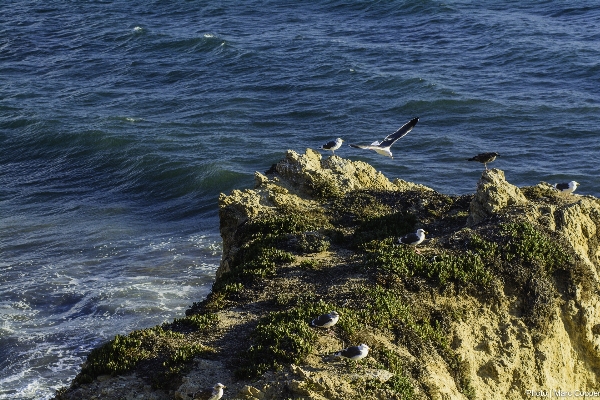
(413, 239)
(332, 145)
(383, 147)
(484, 158)
(354, 353)
(566, 187)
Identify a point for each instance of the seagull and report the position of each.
(326, 320)
(211, 394)
(484, 158)
(354, 353)
(383, 147)
(332, 145)
(566, 187)
(413, 239)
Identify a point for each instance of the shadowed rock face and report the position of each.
(502, 300)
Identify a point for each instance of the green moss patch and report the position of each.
(530, 259)
(533, 193)
(383, 309)
(282, 338)
(192, 323)
(166, 353)
(290, 222)
(398, 386)
(311, 243)
(261, 261)
(527, 258)
(358, 206)
(402, 261)
(530, 247)
(382, 227)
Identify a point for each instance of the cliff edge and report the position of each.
(499, 302)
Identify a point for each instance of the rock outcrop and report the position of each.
(501, 303)
(493, 195)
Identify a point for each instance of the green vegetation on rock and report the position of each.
(388, 258)
(282, 338)
(530, 247)
(166, 353)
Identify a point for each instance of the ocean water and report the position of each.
(120, 124)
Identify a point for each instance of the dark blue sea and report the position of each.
(120, 124)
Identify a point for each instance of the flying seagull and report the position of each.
(566, 187)
(354, 352)
(484, 158)
(326, 320)
(383, 147)
(332, 145)
(211, 394)
(413, 239)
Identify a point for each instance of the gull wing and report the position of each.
(328, 145)
(391, 139)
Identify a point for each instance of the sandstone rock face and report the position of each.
(505, 361)
(499, 349)
(310, 174)
(493, 194)
(579, 222)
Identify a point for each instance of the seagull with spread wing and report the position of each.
(383, 147)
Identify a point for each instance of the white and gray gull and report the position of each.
(568, 187)
(332, 145)
(326, 320)
(413, 239)
(354, 353)
(383, 147)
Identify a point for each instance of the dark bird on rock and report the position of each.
(568, 187)
(210, 394)
(354, 352)
(413, 239)
(383, 147)
(332, 145)
(484, 158)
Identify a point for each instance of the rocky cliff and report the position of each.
(499, 302)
